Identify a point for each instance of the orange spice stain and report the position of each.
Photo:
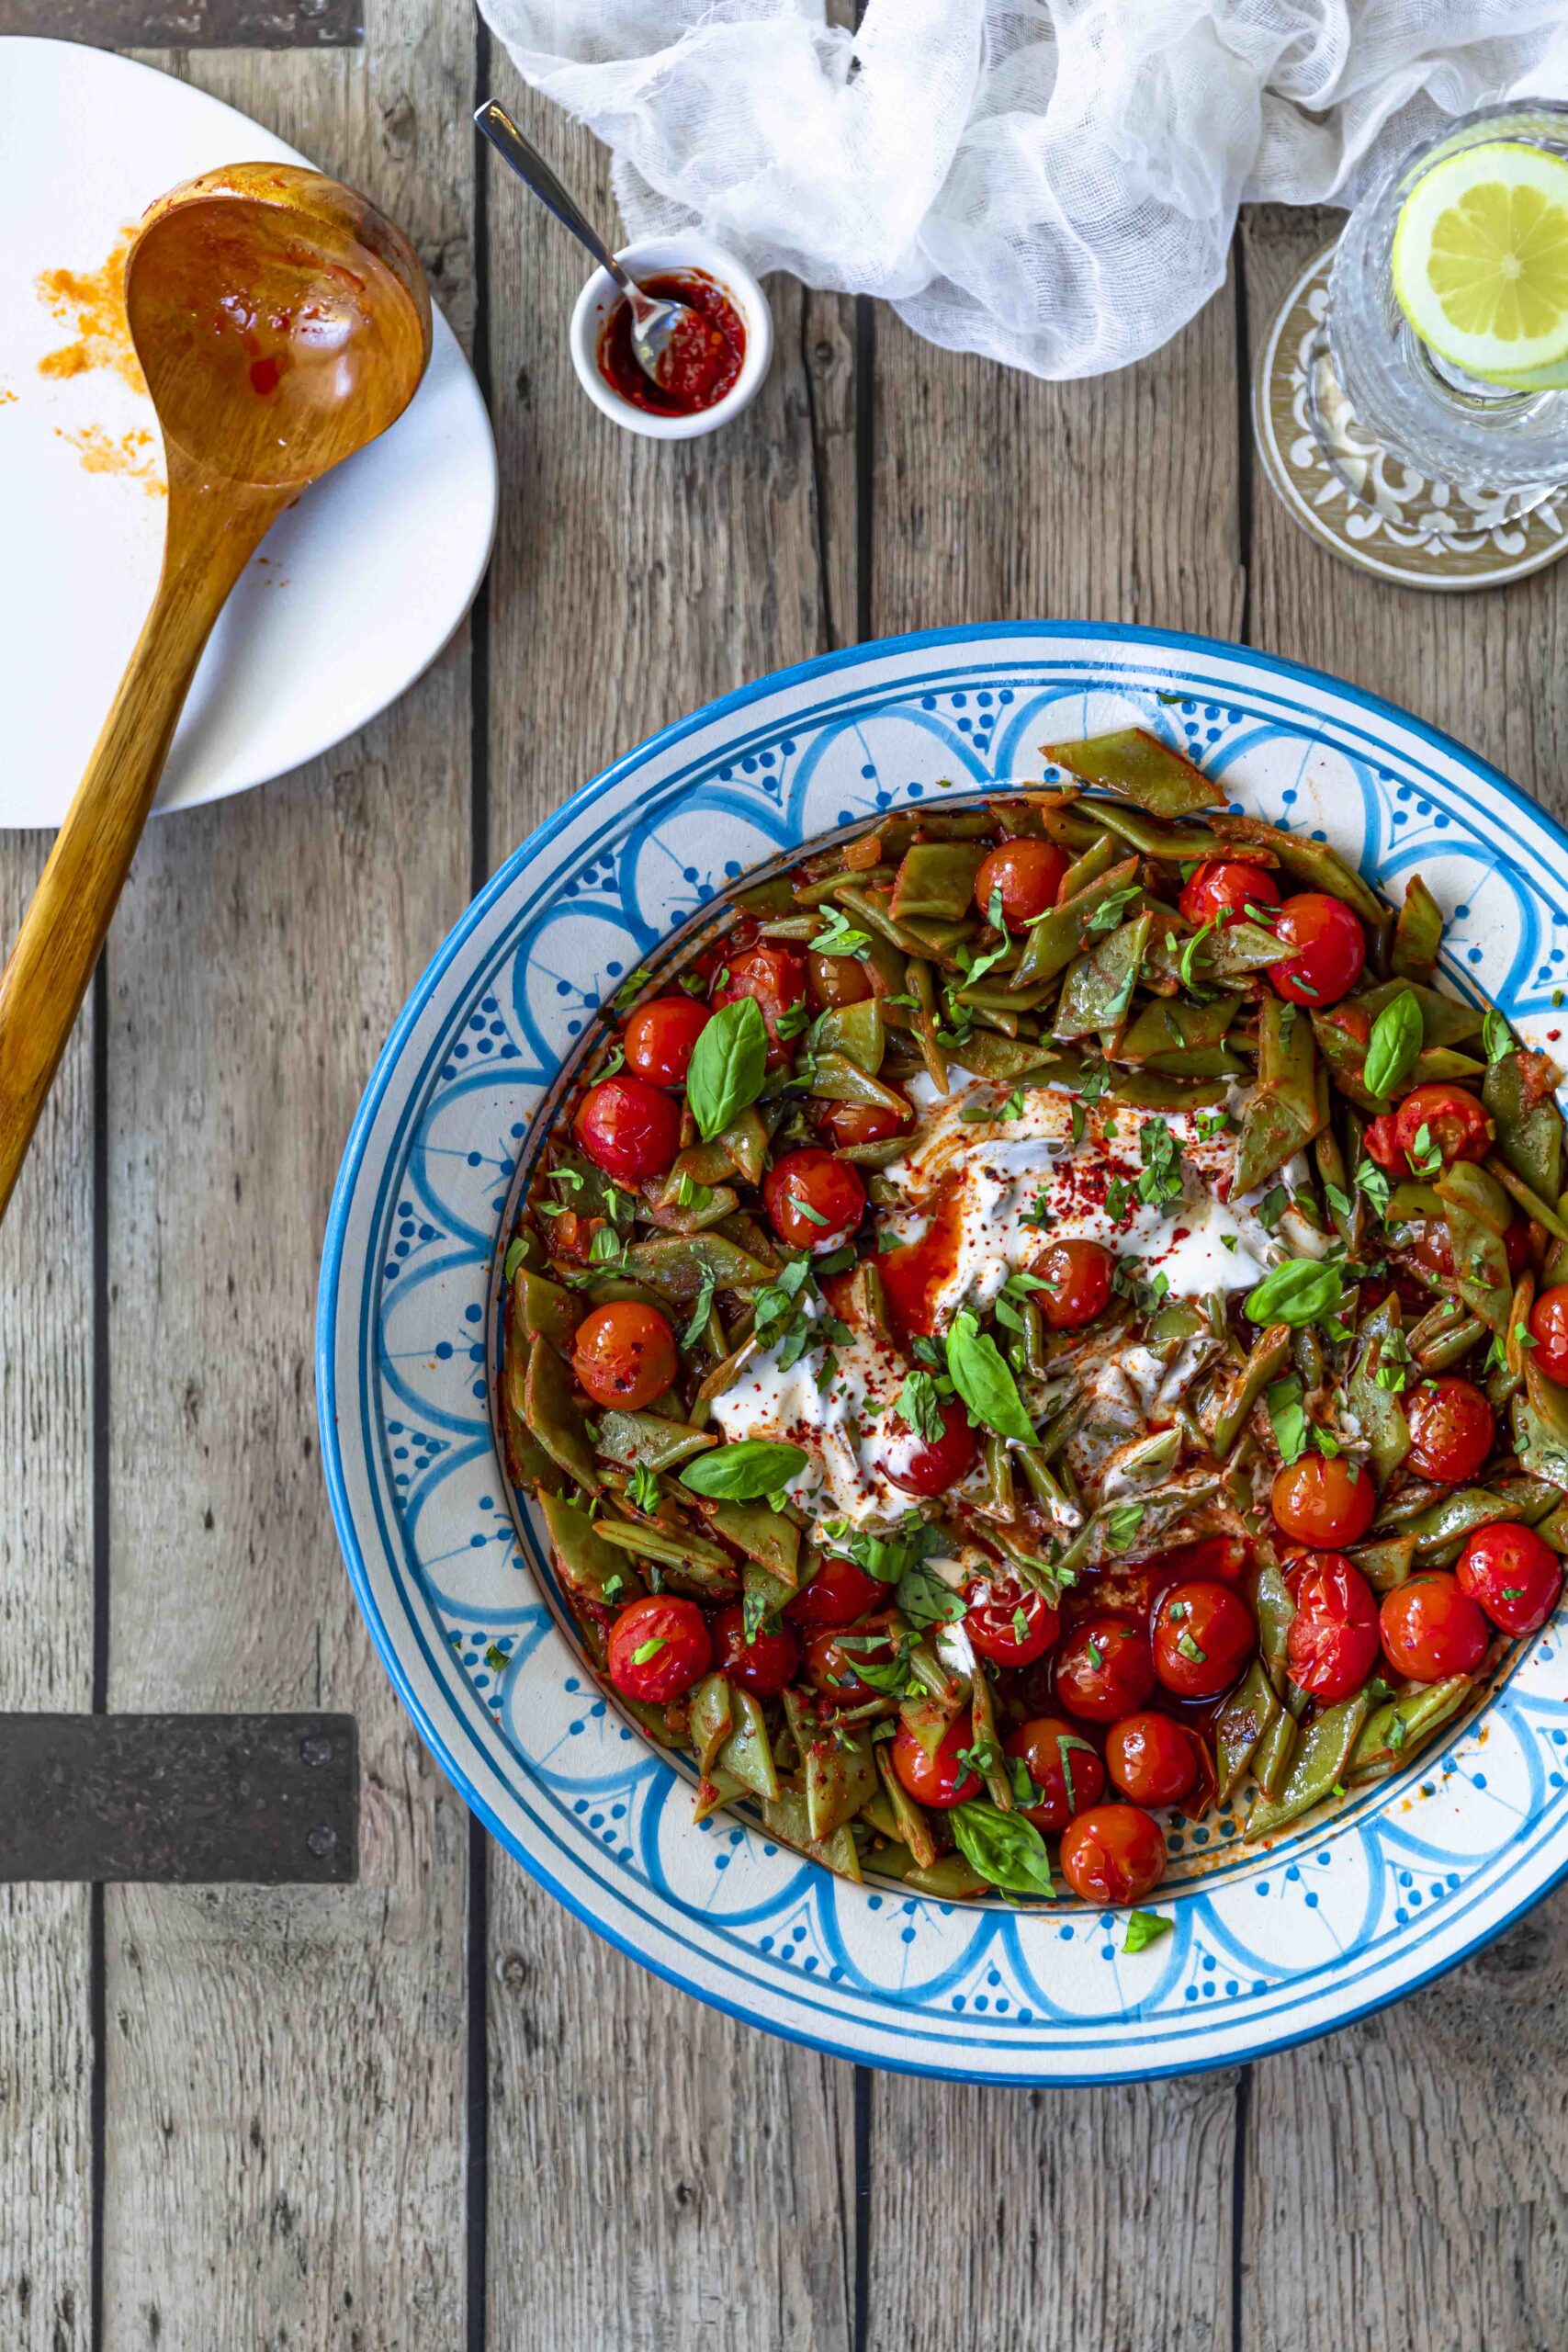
(6, 395)
(91, 306)
(133, 454)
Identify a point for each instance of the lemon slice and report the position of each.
(1480, 260)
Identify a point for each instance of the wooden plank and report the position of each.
(1080, 2217)
(998, 497)
(46, 1660)
(285, 2074)
(1407, 2181)
(191, 24)
(660, 2177)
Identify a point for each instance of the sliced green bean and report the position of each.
(1098, 985)
(936, 878)
(1394, 1731)
(1417, 933)
(555, 1418)
(1271, 1354)
(1529, 1129)
(1240, 1725)
(1317, 1769)
(1137, 764)
(590, 1569)
(1061, 933)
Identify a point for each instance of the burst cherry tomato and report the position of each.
(1321, 1502)
(776, 976)
(1063, 1766)
(929, 1465)
(836, 1595)
(814, 1201)
(1078, 1275)
(659, 1038)
(1431, 1628)
(830, 1668)
(1027, 873)
(1112, 1855)
(1451, 1429)
(1331, 948)
(659, 1647)
(1150, 1759)
(1224, 1558)
(1203, 1636)
(628, 1128)
(625, 1354)
(1006, 1623)
(850, 1122)
(1332, 1645)
(1432, 1247)
(837, 979)
(1104, 1668)
(763, 1665)
(1223, 888)
(1512, 1574)
(1548, 1330)
(940, 1779)
(1444, 1118)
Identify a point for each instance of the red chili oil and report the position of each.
(698, 368)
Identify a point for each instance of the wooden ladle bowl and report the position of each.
(281, 322)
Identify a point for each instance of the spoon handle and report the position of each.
(207, 545)
(532, 169)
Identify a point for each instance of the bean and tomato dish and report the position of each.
(1047, 1316)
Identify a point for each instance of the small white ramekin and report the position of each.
(647, 258)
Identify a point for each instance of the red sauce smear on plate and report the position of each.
(699, 366)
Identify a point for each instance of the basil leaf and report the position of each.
(1121, 1524)
(1145, 1927)
(976, 1367)
(729, 1063)
(1398, 1034)
(1496, 1037)
(516, 1251)
(741, 1473)
(1003, 1847)
(1299, 1292)
(926, 1600)
(919, 1406)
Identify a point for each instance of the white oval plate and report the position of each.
(1341, 1916)
(354, 592)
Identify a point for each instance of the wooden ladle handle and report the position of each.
(211, 533)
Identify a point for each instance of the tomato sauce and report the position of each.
(699, 366)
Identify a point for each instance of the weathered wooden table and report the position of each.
(430, 2111)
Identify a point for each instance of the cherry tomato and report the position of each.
(940, 1779)
(763, 1665)
(1548, 1330)
(776, 976)
(850, 1122)
(1007, 1623)
(1063, 1766)
(1445, 1117)
(625, 1354)
(628, 1128)
(1104, 1668)
(1331, 948)
(1027, 873)
(1324, 1503)
(1150, 1759)
(659, 1647)
(830, 1668)
(1112, 1855)
(1332, 1645)
(659, 1038)
(837, 1594)
(837, 979)
(1452, 1428)
(925, 1465)
(814, 1201)
(1223, 888)
(1512, 1574)
(1224, 1558)
(1431, 1628)
(1203, 1636)
(1079, 1273)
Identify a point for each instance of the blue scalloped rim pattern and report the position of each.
(1268, 1949)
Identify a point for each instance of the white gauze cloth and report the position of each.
(1051, 182)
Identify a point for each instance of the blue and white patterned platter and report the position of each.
(1268, 1949)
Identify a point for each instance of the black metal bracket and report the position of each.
(271, 1800)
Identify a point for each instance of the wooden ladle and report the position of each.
(281, 322)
